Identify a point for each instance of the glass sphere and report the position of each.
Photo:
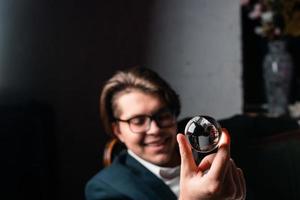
(203, 133)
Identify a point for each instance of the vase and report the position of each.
(277, 74)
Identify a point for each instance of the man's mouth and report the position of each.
(157, 142)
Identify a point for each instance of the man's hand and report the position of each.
(216, 177)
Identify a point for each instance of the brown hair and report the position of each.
(136, 78)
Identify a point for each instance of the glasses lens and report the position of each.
(139, 124)
(165, 119)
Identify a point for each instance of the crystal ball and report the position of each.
(203, 133)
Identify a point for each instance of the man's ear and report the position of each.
(116, 130)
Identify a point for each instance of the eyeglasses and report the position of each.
(142, 123)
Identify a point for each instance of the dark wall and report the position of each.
(56, 56)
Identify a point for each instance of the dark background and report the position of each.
(55, 56)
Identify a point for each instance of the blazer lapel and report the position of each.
(134, 180)
(157, 186)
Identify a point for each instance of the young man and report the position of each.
(140, 109)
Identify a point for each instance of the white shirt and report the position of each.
(172, 182)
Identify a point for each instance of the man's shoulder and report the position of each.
(119, 162)
(126, 177)
(106, 182)
(122, 179)
(123, 167)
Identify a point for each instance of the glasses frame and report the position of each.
(154, 117)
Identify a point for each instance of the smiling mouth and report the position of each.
(157, 143)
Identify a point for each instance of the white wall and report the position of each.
(195, 45)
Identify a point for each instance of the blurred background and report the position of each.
(56, 54)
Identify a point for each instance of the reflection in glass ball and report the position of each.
(203, 133)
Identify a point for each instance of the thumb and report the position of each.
(188, 165)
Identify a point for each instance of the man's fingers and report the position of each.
(225, 139)
(188, 165)
(235, 186)
(237, 179)
(206, 162)
(220, 163)
(243, 182)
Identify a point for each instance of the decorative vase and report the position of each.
(277, 69)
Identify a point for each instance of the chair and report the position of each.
(112, 148)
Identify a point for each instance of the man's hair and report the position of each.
(135, 78)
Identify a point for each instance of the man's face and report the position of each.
(156, 144)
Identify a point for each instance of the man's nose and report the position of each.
(154, 128)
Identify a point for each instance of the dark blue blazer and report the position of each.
(126, 178)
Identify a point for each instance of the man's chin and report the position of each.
(161, 160)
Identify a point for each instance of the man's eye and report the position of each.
(138, 120)
(165, 116)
